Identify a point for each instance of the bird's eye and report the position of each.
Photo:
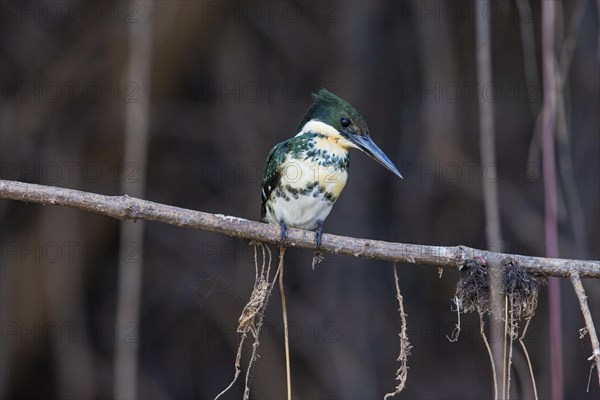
(345, 122)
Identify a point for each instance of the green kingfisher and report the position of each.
(305, 174)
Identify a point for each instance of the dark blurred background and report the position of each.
(227, 80)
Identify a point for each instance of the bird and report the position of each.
(305, 175)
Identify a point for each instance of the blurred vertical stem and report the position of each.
(529, 56)
(598, 33)
(132, 234)
(564, 149)
(488, 160)
(550, 222)
(486, 127)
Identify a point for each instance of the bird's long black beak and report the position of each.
(368, 146)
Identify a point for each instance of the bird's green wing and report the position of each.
(272, 174)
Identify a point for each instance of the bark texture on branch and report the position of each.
(125, 207)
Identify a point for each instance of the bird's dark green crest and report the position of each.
(330, 109)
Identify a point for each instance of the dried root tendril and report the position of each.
(251, 320)
(402, 372)
(521, 291)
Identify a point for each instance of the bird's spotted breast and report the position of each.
(311, 179)
(304, 177)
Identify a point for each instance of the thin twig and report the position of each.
(456, 331)
(237, 365)
(286, 338)
(504, 357)
(125, 207)
(512, 333)
(489, 350)
(589, 322)
(587, 388)
(527, 357)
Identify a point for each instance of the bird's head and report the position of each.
(338, 114)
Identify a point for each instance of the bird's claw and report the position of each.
(318, 237)
(283, 236)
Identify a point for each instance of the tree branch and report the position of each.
(589, 322)
(125, 207)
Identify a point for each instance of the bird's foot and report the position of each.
(283, 236)
(317, 258)
(318, 237)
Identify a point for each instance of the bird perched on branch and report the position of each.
(305, 175)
